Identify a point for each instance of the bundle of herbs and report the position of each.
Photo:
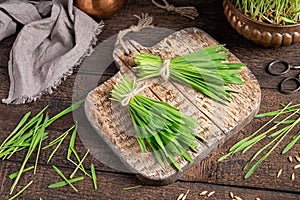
(278, 12)
(276, 134)
(206, 71)
(169, 133)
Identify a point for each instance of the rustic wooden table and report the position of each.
(208, 175)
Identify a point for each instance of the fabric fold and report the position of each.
(55, 38)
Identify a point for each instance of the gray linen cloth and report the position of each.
(55, 37)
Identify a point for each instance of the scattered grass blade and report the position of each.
(14, 175)
(72, 141)
(20, 124)
(21, 191)
(64, 178)
(290, 145)
(64, 183)
(80, 163)
(59, 143)
(66, 111)
(132, 187)
(94, 176)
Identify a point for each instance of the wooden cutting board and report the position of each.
(216, 121)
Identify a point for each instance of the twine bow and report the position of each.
(137, 89)
(188, 11)
(165, 70)
(145, 21)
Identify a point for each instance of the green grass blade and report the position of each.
(234, 147)
(290, 145)
(271, 150)
(40, 132)
(64, 183)
(66, 111)
(64, 178)
(94, 176)
(80, 163)
(14, 175)
(132, 187)
(20, 124)
(19, 133)
(259, 152)
(224, 156)
(72, 141)
(253, 168)
(35, 141)
(80, 167)
(21, 191)
(59, 143)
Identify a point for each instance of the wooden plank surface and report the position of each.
(208, 175)
(104, 115)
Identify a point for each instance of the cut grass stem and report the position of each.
(279, 135)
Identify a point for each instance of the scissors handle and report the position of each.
(283, 86)
(271, 66)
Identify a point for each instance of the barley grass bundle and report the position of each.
(167, 131)
(206, 71)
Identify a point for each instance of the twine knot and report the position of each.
(188, 11)
(165, 70)
(145, 21)
(135, 91)
(171, 8)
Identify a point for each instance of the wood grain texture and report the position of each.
(216, 122)
(111, 187)
(208, 174)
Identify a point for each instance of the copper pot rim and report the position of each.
(246, 19)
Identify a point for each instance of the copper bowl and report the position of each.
(100, 9)
(267, 35)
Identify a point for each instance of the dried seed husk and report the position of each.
(180, 196)
(184, 197)
(237, 198)
(279, 173)
(297, 166)
(211, 193)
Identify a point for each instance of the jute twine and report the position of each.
(145, 21)
(187, 11)
(138, 88)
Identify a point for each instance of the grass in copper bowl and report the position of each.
(278, 12)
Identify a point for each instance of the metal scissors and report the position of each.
(284, 69)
